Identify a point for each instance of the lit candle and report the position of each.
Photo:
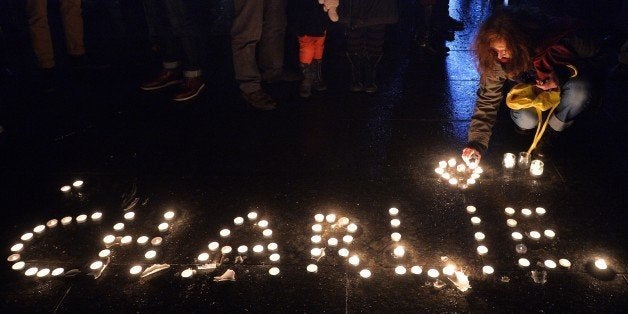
(399, 251)
(142, 240)
(332, 242)
(600, 264)
(343, 221)
(39, 229)
(13, 257)
(354, 260)
(433, 273)
(150, 254)
(95, 265)
(446, 176)
(319, 217)
(17, 247)
(330, 218)
(540, 211)
(442, 164)
(27, 236)
(453, 181)
(81, 218)
(347, 239)
(238, 221)
(449, 270)
(564, 262)
(395, 236)
(475, 176)
(213, 246)
(57, 272)
(104, 253)
(479, 236)
(536, 168)
(163, 226)
(478, 171)
(262, 223)
(550, 264)
(119, 226)
(108, 239)
(509, 160)
(242, 249)
(488, 270)
(31, 271)
(526, 212)
(417, 270)
(65, 188)
(272, 246)
(352, 227)
(126, 239)
(258, 248)
(509, 211)
(316, 252)
(226, 249)
(135, 270)
(482, 250)
(43, 272)
(461, 168)
(202, 257)
(549, 233)
(521, 248)
(316, 238)
(274, 271)
(156, 241)
(187, 273)
(52, 223)
(439, 170)
(96, 216)
(127, 216)
(18, 266)
(274, 257)
(77, 183)
(471, 209)
(393, 211)
(535, 235)
(511, 223)
(365, 273)
(395, 222)
(225, 233)
(476, 220)
(400, 270)
(317, 228)
(517, 235)
(451, 162)
(252, 215)
(66, 220)
(312, 268)
(169, 215)
(524, 262)
(471, 181)
(343, 252)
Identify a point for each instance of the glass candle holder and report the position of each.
(536, 167)
(524, 160)
(509, 160)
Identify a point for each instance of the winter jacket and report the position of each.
(310, 19)
(363, 13)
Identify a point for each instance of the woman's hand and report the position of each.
(471, 157)
(546, 85)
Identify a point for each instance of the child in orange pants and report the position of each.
(312, 26)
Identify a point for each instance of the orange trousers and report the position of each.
(310, 48)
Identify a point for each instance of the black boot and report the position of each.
(370, 72)
(356, 62)
(305, 89)
(318, 82)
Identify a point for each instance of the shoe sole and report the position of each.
(161, 86)
(191, 96)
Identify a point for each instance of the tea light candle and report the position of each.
(400, 270)
(476, 220)
(475, 176)
(417, 270)
(347, 239)
(393, 211)
(95, 265)
(57, 272)
(509, 160)
(104, 253)
(156, 241)
(526, 212)
(536, 168)
(354, 260)
(135, 270)
(433, 273)
(126, 239)
(150, 254)
(395, 222)
(226, 249)
(18, 266)
(164, 226)
(521, 248)
(119, 226)
(478, 171)
(66, 220)
(461, 168)
(238, 221)
(262, 223)
(524, 262)
(395, 236)
(39, 229)
(332, 242)
(365, 273)
(312, 268)
(352, 227)
(13, 257)
(252, 215)
(258, 248)
(169, 215)
(142, 239)
(127, 216)
(202, 257)
(77, 183)
(316, 252)
(451, 162)
(479, 236)
(564, 262)
(535, 235)
(509, 211)
(449, 270)
(343, 221)
(242, 249)
(471, 209)
(274, 271)
(317, 228)
(108, 239)
(27, 236)
(316, 239)
(267, 233)
(550, 264)
(540, 211)
(187, 273)
(600, 264)
(272, 246)
(330, 218)
(52, 223)
(442, 164)
(43, 272)
(31, 271)
(81, 218)
(446, 176)
(482, 250)
(549, 233)
(399, 251)
(453, 181)
(488, 269)
(319, 217)
(471, 181)
(517, 236)
(524, 160)
(65, 188)
(511, 223)
(343, 252)
(225, 233)
(213, 246)
(96, 216)
(274, 257)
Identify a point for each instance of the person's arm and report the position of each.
(554, 66)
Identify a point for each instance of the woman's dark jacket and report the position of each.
(363, 13)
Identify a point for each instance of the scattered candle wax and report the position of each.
(127, 216)
(238, 221)
(119, 226)
(511, 223)
(213, 246)
(535, 235)
(482, 250)
(202, 257)
(242, 249)
(549, 233)
(476, 220)
(316, 251)
(540, 211)
(488, 270)
(312, 268)
(479, 236)
(126, 239)
(395, 222)
(262, 223)
(509, 211)
(354, 260)
(156, 241)
(65, 188)
(163, 226)
(142, 240)
(343, 252)
(433, 273)
(57, 271)
(258, 248)
(13, 257)
(347, 239)
(272, 246)
(135, 270)
(601, 264)
(365, 273)
(524, 262)
(104, 253)
(400, 270)
(417, 270)
(96, 216)
(274, 257)
(332, 242)
(77, 183)
(27, 236)
(169, 215)
(564, 262)
(526, 212)
(471, 209)
(108, 239)
(352, 227)
(17, 247)
(274, 271)
(95, 265)
(150, 254)
(395, 236)
(393, 211)
(66, 220)
(449, 270)
(316, 239)
(39, 229)
(18, 266)
(252, 215)
(43, 272)
(81, 218)
(52, 223)
(317, 228)
(31, 271)
(187, 273)
(330, 218)
(399, 251)
(517, 235)
(442, 164)
(550, 264)
(225, 233)
(226, 249)
(319, 217)
(267, 233)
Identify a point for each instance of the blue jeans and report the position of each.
(574, 98)
(173, 31)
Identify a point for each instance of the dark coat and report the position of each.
(310, 19)
(363, 13)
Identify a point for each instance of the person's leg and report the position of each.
(37, 11)
(374, 52)
(317, 63)
(575, 97)
(246, 32)
(271, 44)
(73, 27)
(306, 55)
(525, 119)
(356, 55)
